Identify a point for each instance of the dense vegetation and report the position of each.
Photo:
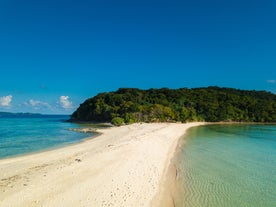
(129, 105)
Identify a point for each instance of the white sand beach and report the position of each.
(122, 167)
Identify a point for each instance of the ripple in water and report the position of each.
(228, 166)
(25, 135)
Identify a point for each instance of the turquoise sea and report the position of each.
(227, 166)
(25, 135)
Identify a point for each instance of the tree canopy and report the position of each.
(179, 105)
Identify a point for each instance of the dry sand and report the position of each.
(121, 167)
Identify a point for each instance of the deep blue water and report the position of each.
(228, 166)
(25, 135)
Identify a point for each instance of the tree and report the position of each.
(117, 121)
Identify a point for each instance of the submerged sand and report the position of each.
(121, 167)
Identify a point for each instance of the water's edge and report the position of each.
(49, 134)
(170, 186)
(167, 187)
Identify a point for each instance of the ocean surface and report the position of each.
(26, 135)
(227, 166)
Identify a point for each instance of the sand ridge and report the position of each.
(121, 167)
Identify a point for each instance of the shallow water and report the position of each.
(227, 166)
(25, 135)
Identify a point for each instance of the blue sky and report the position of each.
(55, 54)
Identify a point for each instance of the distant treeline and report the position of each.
(212, 104)
(30, 115)
(18, 115)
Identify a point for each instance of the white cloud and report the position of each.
(35, 103)
(271, 81)
(6, 100)
(65, 102)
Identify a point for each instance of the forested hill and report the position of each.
(213, 104)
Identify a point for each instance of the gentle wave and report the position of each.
(226, 166)
(25, 135)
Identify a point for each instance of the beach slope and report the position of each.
(121, 167)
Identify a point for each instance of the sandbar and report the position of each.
(122, 167)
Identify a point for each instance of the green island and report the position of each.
(211, 104)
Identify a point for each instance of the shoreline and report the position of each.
(123, 166)
(53, 148)
(167, 188)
